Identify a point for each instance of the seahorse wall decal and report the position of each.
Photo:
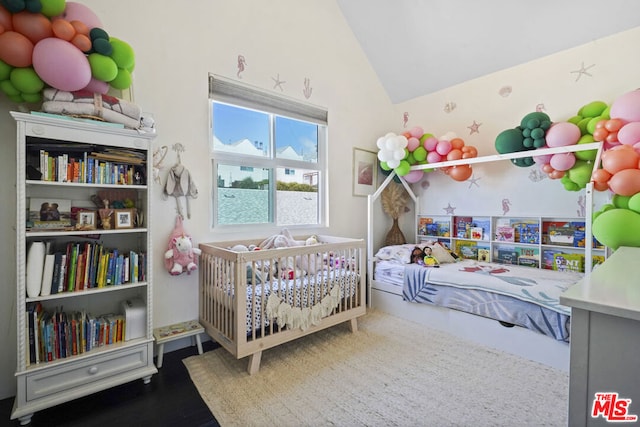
(242, 63)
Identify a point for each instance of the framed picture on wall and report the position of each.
(365, 172)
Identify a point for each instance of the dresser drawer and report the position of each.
(69, 376)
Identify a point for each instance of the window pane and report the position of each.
(297, 196)
(243, 195)
(296, 140)
(240, 130)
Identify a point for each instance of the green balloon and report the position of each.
(410, 159)
(425, 136)
(593, 109)
(589, 155)
(102, 67)
(122, 53)
(123, 79)
(617, 227)
(5, 70)
(580, 173)
(32, 98)
(510, 141)
(582, 125)
(634, 202)
(420, 154)
(102, 46)
(575, 119)
(9, 89)
(535, 120)
(98, 33)
(26, 80)
(403, 168)
(51, 8)
(621, 202)
(384, 166)
(591, 125)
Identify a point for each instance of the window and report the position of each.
(268, 157)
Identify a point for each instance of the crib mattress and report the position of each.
(523, 296)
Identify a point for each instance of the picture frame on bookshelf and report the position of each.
(87, 220)
(49, 213)
(123, 218)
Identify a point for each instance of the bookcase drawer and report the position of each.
(89, 371)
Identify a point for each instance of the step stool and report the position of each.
(176, 331)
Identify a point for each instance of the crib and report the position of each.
(250, 301)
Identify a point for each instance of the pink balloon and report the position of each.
(562, 134)
(542, 160)
(629, 134)
(413, 176)
(433, 157)
(562, 161)
(416, 132)
(61, 65)
(627, 107)
(97, 86)
(443, 147)
(430, 143)
(78, 12)
(413, 143)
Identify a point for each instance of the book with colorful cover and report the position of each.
(505, 233)
(507, 255)
(467, 249)
(461, 224)
(568, 262)
(484, 254)
(477, 233)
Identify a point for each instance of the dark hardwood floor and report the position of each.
(170, 399)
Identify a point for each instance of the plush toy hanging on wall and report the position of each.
(181, 256)
(180, 183)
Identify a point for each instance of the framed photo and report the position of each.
(49, 213)
(365, 172)
(87, 220)
(123, 218)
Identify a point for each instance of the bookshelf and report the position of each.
(84, 253)
(542, 242)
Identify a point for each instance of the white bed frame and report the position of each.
(514, 340)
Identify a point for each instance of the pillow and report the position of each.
(398, 253)
(441, 253)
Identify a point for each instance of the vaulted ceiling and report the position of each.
(418, 47)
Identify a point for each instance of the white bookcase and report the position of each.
(540, 242)
(55, 368)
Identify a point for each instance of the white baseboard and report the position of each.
(516, 340)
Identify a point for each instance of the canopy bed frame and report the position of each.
(516, 340)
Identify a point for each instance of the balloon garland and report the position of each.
(60, 45)
(415, 147)
(617, 126)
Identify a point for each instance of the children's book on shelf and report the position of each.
(423, 225)
(506, 255)
(462, 224)
(528, 256)
(484, 254)
(568, 262)
(548, 255)
(505, 233)
(443, 228)
(467, 249)
(476, 233)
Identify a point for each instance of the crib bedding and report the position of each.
(312, 291)
(518, 295)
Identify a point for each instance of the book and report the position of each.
(507, 256)
(477, 233)
(568, 262)
(467, 249)
(505, 233)
(484, 254)
(528, 233)
(462, 224)
(423, 223)
(47, 274)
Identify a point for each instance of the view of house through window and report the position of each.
(268, 167)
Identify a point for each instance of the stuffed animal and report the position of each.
(181, 256)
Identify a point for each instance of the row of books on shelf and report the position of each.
(54, 335)
(87, 265)
(91, 168)
(526, 256)
(429, 227)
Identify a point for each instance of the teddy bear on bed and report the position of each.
(181, 256)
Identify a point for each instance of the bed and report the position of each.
(251, 301)
(510, 294)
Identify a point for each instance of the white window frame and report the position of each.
(232, 92)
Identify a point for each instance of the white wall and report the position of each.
(176, 46)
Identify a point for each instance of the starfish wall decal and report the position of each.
(583, 70)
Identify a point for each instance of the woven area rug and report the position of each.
(391, 372)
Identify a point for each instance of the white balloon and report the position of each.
(402, 141)
(390, 144)
(398, 154)
(380, 142)
(383, 155)
(393, 163)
